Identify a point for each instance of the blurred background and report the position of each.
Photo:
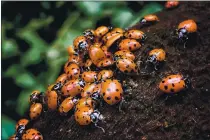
(35, 36)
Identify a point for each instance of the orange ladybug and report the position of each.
(89, 34)
(52, 98)
(112, 40)
(72, 88)
(156, 56)
(89, 76)
(85, 102)
(135, 34)
(171, 4)
(149, 19)
(126, 65)
(21, 122)
(129, 44)
(62, 79)
(72, 70)
(32, 134)
(88, 64)
(117, 30)
(88, 89)
(86, 115)
(124, 53)
(101, 31)
(173, 83)
(107, 62)
(112, 91)
(105, 74)
(67, 105)
(71, 50)
(186, 27)
(35, 97)
(96, 54)
(81, 44)
(35, 110)
(112, 33)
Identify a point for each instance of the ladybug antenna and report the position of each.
(99, 127)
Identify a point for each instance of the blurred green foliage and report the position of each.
(85, 15)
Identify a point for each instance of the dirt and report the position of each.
(148, 114)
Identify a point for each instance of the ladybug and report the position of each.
(88, 89)
(71, 50)
(112, 40)
(129, 44)
(126, 65)
(135, 34)
(149, 19)
(32, 134)
(35, 97)
(35, 110)
(105, 63)
(171, 4)
(124, 53)
(101, 31)
(67, 105)
(185, 28)
(85, 102)
(23, 122)
(89, 76)
(89, 34)
(105, 74)
(96, 96)
(112, 91)
(86, 115)
(112, 33)
(173, 83)
(72, 88)
(72, 70)
(62, 79)
(117, 30)
(81, 44)
(52, 99)
(156, 56)
(96, 54)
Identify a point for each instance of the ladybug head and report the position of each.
(143, 21)
(82, 83)
(57, 86)
(182, 33)
(95, 96)
(152, 59)
(82, 46)
(20, 131)
(144, 37)
(75, 100)
(96, 116)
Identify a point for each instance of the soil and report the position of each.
(148, 114)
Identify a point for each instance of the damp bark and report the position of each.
(147, 113)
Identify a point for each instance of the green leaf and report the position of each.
(13, 70)
(148, 9)
(90, 8)
(25, 80)
(122, 17)
(7, 127)
(22, 102)
(9, 48)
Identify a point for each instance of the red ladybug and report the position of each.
(149, 19)
(171, 4)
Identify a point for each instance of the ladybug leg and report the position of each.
(99, 127)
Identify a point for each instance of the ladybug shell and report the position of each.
(172, 84)
(97, 88)
(32, 134)
(78, 41)
(66, 105)
(189, 25)
(82, 115)
(75, 59)
(35, 96)
(117, 30)
(171, 4)
(12, 137)
(89, 76)
(70, 50)
(151, 18)
(126, 65)
(158, 53)
(62, 79)
(21, 122)
(129, 44)
(124, 53)
(88, 89)
(88, 63)
(49, 89)
(111, 91)
(101, 31)
(52, 100)
(113, 39)
(105, 63)
(134, 34)
(85, 102)
(35, 110)
(105, 74)
(111, 34)
(72, 70)
(96, 54)
(72, 88)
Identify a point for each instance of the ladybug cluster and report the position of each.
(91, 74)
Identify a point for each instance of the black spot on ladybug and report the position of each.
(103, 94)
(33, 134)
(169, 78)
(172, 90)
(117, 90)
(163, 81)
(108, 98)
(166, 87)
(116, 98)
(127, 66)
(87, 121)
(173, 85)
